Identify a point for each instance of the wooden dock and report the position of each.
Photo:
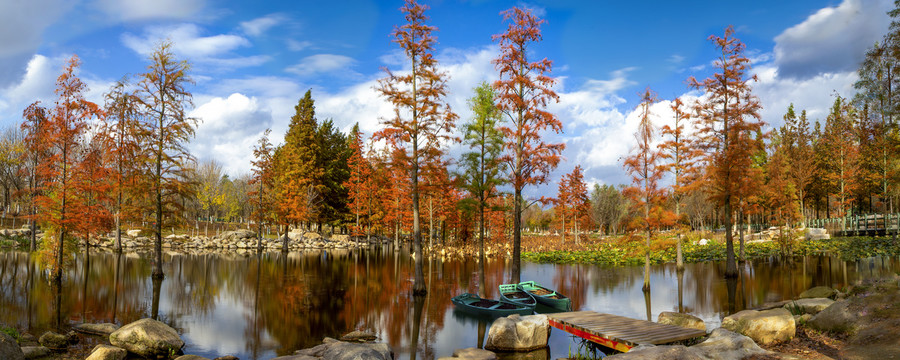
(618, 332)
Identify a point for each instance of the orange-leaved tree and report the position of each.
(573, 201)
(842, 147)
(124, 139)
(779, 193)
(60, 200)
(523, 93)
(422, 121)
(726, 121)
(164, 102)
(680, 157)
(262, 185)
(299, 176)
(361, 184)
(645, 168)
(36, 152)
(93, 178)
(797, 142)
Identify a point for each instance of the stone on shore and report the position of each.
(359, 335)
(838, 317)
(764, 327)
(340, 350)
(54, 341)
(107, 352)
(818, 292)
(810, 306)
(665, 352)
(9, 349)
(104, 329)
(518, 333)
(683, 320)
(191, 357)
(147, 338)
(471, 354)
(724, 344)
(35, 352)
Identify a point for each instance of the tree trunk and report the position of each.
(516, 269)
(730, 264)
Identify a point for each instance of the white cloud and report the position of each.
(229, 129)
(294, 45)
(320, 63)
(813, 93)
(23, 25)
(135, 10)
(186, 40)
(832, 40)
(258, 26)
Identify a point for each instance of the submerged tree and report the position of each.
(164, 101)
(60, 201)
(523, 93)
(726, 122)
(646, 171)
(421, 121)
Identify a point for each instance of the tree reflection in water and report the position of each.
(259, 306)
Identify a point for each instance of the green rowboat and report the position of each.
(475, 305)
(510, 293)
(546, 296)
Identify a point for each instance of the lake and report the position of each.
(259, 307)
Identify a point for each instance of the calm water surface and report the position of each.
(259, 307)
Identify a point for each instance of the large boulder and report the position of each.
(818, 292)
(238, 235)
(147, 338)
(471, 354)
(54, 341)
(764, 327)
(683, 320)
(9, 349)
(191, 357)
(839, 317)
(97, 329)
(35, 352)
(817, 234)
(339, 350)
(133, 233)
(107, 352)
(519, 333)
(666, 352)
(810, 306)
(724, 344)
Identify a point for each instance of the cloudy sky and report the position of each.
(252, 60)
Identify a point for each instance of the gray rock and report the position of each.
(818, 292)
(667, 352)
(54, 341)
(227, 357)
(35, 352)
(764, 327)
(296, 357)
(147, 338)
(107, 352)
(810, 305)
(836, 318)
(191, 357)
(9, 349)
(724, 344)
(683, 320)
(27, 339)
(518, 333)
(104, 329)
(358, 335)
(340, 350)
(471, 354)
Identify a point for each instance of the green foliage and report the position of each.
(587, 350)
(9, 331)
(848, 248)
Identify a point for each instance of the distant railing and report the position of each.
(859, 225)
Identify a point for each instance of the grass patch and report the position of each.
(9, 331)
(622, 252)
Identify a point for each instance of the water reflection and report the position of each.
(261, 306)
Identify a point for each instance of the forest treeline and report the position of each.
(83, 169)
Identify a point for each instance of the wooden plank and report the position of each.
(617, 331)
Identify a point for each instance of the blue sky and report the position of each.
(252, 60)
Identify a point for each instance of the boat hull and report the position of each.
(510, 293)
(545, 296)
(475, 305)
